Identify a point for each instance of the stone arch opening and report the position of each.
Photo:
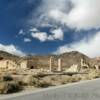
(31, 67)
(1, 58)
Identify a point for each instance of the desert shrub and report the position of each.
(7, 78)
(70, 79)
(42, 84)
(2, 87)
(93, 74)
(35, 82)
(27, 80)
(75, 79)
(85, 77)
(38, 83)
(40, 75)
(9, 87)
(13, 87)
(53, 78)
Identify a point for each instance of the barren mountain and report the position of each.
(6, 55)
(68, 59)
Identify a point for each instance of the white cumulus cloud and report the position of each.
(21, 32)
(79, 14)
(27, 40)
(11, 49)
(85, 14)
(89, 47)
(58, 16)
(56, 34)
(46, 9)
(42, 36)
(48, 5)
(33, 29)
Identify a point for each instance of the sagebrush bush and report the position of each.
(4, 78)
(7, 78)
(9, 87)
(42, 84)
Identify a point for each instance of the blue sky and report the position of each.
(50, 27)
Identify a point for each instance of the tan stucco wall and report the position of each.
(3, 64)
(27, 64)
(7, 64)
(24, 65)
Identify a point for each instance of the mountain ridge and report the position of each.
(68, 59)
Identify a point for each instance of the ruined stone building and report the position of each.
(51, 66)
(12, 65)
(27, 64)
(84, 64)
(8, 64)
(96, 63)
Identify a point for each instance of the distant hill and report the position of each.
(68, 59)
(73, 57)
(6, 55)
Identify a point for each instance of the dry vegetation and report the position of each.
(18, 80)
(10, 83)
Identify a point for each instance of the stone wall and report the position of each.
(7, 64)
(23, 64)
(27, 64)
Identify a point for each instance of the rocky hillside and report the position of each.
(73, 57)
(5, 55)
(68, 59)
